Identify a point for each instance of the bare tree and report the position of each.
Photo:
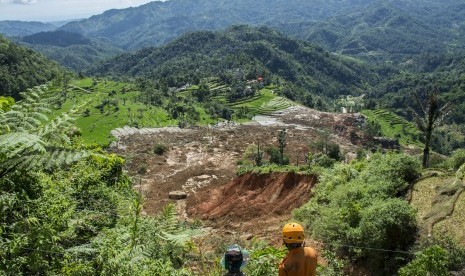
(428, 113)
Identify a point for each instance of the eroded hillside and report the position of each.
(202, 163)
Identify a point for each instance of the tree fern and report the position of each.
(30, 140)
(171, 231)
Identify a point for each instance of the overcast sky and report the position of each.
(52, 10)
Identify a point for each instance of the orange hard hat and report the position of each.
(293, 233)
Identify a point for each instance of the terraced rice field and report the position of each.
(394, 126)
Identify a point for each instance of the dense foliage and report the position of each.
(438, 256)
(21, 68)
(68, 209)
(358, 210)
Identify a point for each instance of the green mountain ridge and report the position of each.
(21, 28)
(352, 27)
(242, 52)
(159, 22)
(390, 29)
(71, 50)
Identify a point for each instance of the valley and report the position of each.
(205, 158)
(146, 140)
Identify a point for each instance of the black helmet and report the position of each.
(234, 258)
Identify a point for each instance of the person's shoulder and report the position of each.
(310, 251)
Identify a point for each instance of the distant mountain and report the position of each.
(22, 28)
(242, 52)
(394, 28)
(157, 22)
(369, 28)
(71, 50)
(22, 68)
(57, 38)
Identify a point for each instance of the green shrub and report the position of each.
(455, 161)
(142, 168)
(334, 151)
(431, 261)
(159, 149)
(264, 260)
(323, 160)
(357, 205)
(275, 156)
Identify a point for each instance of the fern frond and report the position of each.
(168, 219)
(12, 144)
(181, 238)
(85, 249)
(58, 157)
(39, 116)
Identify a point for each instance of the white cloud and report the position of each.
(25, 2)
(19, 2)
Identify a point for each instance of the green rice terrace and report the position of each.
(103, 105)
(394, 126)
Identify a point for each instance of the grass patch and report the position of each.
(124, 109)
(104, 105)
(440, 203)
(454, 224)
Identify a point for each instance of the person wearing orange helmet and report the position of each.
(300, 260)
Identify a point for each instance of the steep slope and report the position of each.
(242, 52)
(72, 50)
(21, 68)
(158, 22)
(21, 28)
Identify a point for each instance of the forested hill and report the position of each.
(20, 28)
(71, 50)
(350, 26)
(242, 52)
(21, 68)
(393, 28)
(158, 22)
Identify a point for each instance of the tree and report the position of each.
(281, 144)
(431, 113)
(258, 156)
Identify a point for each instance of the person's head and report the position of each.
(234, 258)
(293, 235)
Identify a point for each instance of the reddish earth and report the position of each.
(202, 162)
(253, 201)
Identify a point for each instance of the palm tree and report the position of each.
(428, 113)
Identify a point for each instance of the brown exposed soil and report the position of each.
(252, 200)
(202, 162)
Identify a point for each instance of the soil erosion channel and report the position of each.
(201, 162)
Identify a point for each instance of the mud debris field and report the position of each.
(202, 163)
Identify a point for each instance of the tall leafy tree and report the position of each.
(428, 112)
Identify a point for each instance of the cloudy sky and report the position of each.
(51, 10)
